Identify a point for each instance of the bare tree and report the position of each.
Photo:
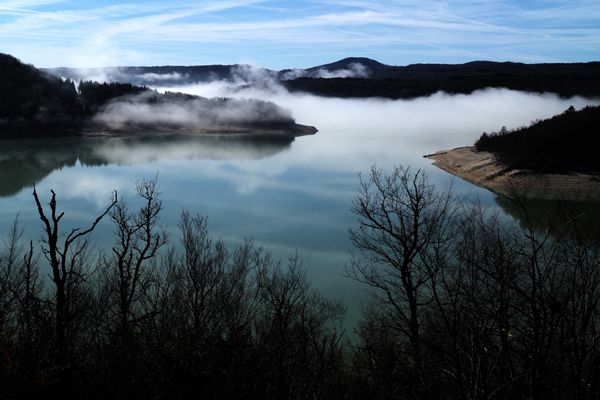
(64, 258)
(139, 238)
(474, 305)
(9, 259)
(401, 219)
(29, 289)
(199, 278)
(297, 330)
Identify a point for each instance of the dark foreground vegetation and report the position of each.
(463, 305)
(563, 143)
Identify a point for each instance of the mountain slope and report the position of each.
(30, 96)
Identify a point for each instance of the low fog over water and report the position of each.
(149, 109)
(287, 196)
(354, 133)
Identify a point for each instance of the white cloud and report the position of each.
(353, 133)
(224, 32)
(90, 184)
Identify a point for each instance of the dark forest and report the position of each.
(564, 143)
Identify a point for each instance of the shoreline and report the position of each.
(285, 132)
(92, 129)
(483, 170)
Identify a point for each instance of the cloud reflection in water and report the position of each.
(287, 196)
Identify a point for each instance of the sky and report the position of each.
(300, 34)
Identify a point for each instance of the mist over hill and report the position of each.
(35, 103)
(364, 77)
(49, 102)
(425, 79)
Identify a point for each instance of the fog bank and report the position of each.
(149, 109)
(354, 133)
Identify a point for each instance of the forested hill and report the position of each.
(378, 70)
(163, 75)
(424, 79)
(563, 143)
(31, 97)
(364, 77)
(34, 103)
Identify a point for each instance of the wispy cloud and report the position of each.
(54, 32)
(8, 6)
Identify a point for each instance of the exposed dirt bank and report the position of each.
(482, 169)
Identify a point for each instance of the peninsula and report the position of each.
(36, 104)
(550, 159)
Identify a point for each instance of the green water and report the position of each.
(288, 196)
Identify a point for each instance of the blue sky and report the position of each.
(280, 34)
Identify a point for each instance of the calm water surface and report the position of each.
(288, 196)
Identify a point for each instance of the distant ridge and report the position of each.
(477, 67)
(365, 77)
(415, 80)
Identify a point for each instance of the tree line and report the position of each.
(471, 305)
(146, 320)
(563, 143)
(34, 103)
(461, 304)
(418, 80)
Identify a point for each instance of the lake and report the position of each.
(288, 196)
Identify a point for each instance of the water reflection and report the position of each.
(23, 162)
(287, 196)
(557, 216)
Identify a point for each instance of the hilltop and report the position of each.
(373, 65)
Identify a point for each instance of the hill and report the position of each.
(563, 143)
(552, 159)
(373, 65)
(425, 79)
(32, 98)
(37, 104)
(365, 77)
(164, 75)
